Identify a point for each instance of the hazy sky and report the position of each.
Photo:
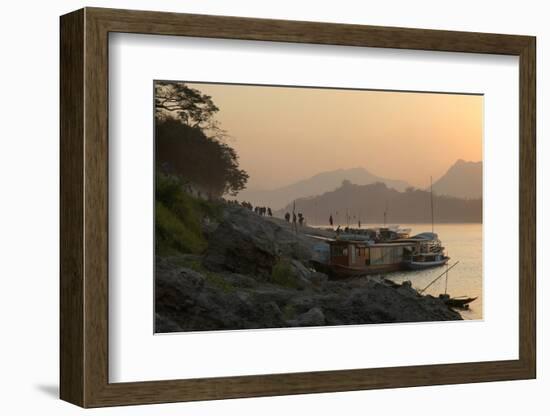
(285, 134)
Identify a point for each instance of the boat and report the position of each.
(359, 252)
(392, 233)
(462, 302)
(426, 261)
(353, 258)
(429, 252)
(425, 251)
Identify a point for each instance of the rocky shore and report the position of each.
(254, 274)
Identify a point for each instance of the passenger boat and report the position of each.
(352, 258)
(375, 235)
(382, 250)
(429, 252)
(426, 253)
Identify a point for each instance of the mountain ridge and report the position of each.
(464, 179)
(376, 203)
(315, 185)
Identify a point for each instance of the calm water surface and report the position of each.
(463, 243)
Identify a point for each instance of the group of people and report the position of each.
(266, 211)
(331, 222)
(300, 218)
(263, 211)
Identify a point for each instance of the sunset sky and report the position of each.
(283, 134)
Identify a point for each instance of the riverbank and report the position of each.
(254, 274)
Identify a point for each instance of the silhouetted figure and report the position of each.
(330, 220)
(300, 218)
(269, 212)
(287, 217)
(294, 218)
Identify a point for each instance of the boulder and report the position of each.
(313, 317)
(318, 278)
(248, 244)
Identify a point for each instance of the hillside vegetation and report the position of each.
(179, 217)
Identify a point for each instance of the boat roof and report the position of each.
(425, 236)
(419, 238)
(365, 243)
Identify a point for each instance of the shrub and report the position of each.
(289, 312)
(178, 217)
(173, 235)
(282, 274)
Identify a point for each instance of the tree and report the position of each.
(199, 159)
(190, 143)
(187, 104)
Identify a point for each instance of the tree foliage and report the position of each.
(199, 159)
(190, 143)
(189, 105)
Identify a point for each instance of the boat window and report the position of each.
(339, 251)
(386, 255)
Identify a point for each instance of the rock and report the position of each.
(301, 274)
(249, 244)
(234, 285)
(208, 226)
(313, 317)
(318, 278)
(239, 280)
(271, 313)
(164, 324)
(303, 304)
(299, 269)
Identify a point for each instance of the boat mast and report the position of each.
(432, 202)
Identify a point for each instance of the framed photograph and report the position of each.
(255, 207)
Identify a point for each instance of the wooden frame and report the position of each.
(84, 207)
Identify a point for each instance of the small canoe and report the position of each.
(458, 302)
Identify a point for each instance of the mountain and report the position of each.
(462, 180)
(369, 202)
(316, 185)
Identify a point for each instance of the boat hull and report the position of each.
(337, 271)
(421, 265)
(460, 302)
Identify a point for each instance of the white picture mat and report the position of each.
(135, 354)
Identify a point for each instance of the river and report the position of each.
(463, 243)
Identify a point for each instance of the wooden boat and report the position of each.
(353, 258)
(429, 252)
(341, 272)
(462, 302)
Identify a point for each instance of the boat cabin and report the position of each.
(351, 256)
(358, 254)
